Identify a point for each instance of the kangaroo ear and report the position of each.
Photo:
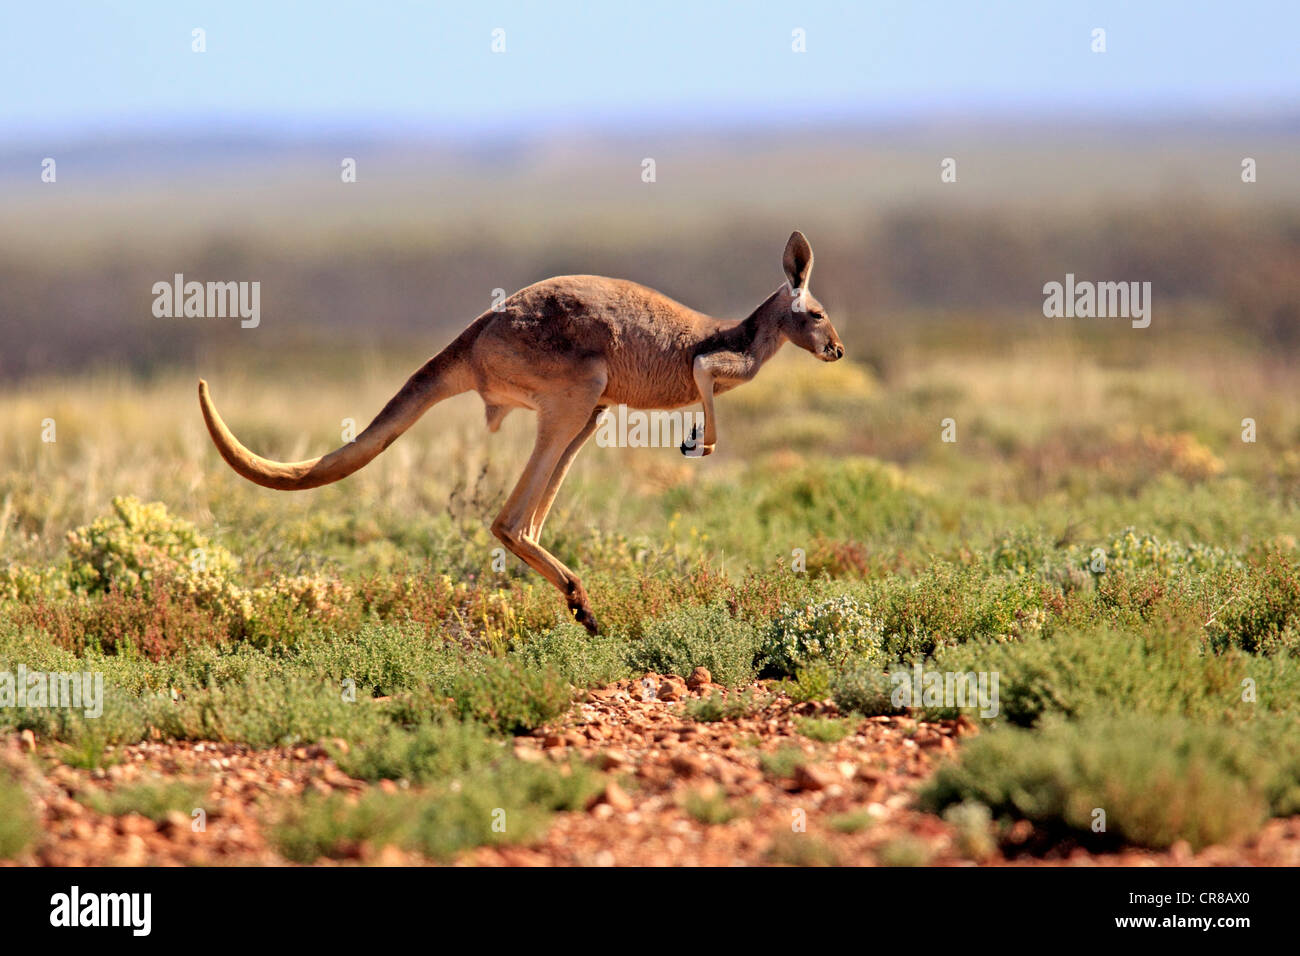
(798, 260)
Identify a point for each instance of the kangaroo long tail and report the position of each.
(444, 375)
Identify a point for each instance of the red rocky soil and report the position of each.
(666, 773)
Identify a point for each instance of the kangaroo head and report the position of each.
(803, 319)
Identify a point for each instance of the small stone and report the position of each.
(390, 855)
(700, 677)
(612, 759)
(814, 777)
(134, 853)
(613, 796)
(669, 691)
(528, 754)
(134, 823)
(687, 765)
(28, 740)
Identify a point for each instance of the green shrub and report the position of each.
(18, 826)
(509, 804)
(1024, 551)
(904, 851)
(811, 683)
(583, 660)
(863, 688)
(781, 763)
(1130, 550)
(700, 637)
(973, 823)
(829, 630)
(151, 800)
(384, 658)
(509, 697)
(1263, 614)
(829, 497)
(855, 821)
(1103, 672)
(149, 575)
(825, 730)
(280, 711)
(951, 603)
(1157, 780)
(141, 545)
(428, 753)
(732, 706)
(802, 849)
(21, 583)
(336, 827)
(710, 808)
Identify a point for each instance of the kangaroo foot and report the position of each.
(693, 447)
(581, 608)
(585, 617)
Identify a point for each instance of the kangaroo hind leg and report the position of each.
(538, 518)
(559, 425)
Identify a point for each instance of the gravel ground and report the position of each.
(678, 792)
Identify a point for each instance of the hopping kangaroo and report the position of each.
(567, 348)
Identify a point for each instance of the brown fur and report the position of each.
(567, 348)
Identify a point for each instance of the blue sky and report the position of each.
(85, 68)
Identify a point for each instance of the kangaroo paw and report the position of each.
(693, 447)
(587, 619)
(581, 608)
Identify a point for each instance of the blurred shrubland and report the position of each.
(412, 251)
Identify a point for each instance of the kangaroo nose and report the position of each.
(839, 351)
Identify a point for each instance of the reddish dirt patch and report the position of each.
(679, 792)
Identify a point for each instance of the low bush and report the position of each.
(511, 804)
(700, 637)
(508, 697)
(428, 753)
(1155, 780)
(581, 659)
(18, 827)
(1102, 672)
(863, 688)
(829, 631)
(151, 800)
